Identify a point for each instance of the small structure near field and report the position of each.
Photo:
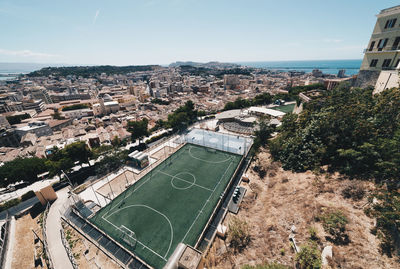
(138, 159)
(185, 257)
(46, 195)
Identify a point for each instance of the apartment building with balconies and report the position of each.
(383, 50)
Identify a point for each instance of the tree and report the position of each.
(182, 117)
(178, 121)
(350, 130)
(17, 118)
(64, 159)
(138, 129)
(78, 151)
(263, 134)
(116, 141)
(57, 115)
(75, 107)
(386, 211)
(55, 167)
(21, 169)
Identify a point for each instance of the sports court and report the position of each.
(170, 204)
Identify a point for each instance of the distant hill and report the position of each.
(90, 71)
(205, 65)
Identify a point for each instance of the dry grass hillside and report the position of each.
(282, 199)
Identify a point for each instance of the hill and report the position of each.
(91, 71)
(216, 65)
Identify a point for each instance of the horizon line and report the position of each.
(120, 65)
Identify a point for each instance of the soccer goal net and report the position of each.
(128, 236)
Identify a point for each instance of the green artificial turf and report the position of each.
(169, 205)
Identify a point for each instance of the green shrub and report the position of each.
(238, 234)
(309, 257)
(75, 107)
(313, 233)
(354, 190)
(158, 137)
(334, 223)
(28, 195)
(9, 204)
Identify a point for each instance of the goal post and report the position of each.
(128, 236)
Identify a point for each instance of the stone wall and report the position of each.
(366, 78)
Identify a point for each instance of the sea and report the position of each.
(326, 66)
(10, 71)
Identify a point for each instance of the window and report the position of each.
(371, 47)
(386, 62)
(373, 63)
(397, 63)
(382, 43)
(396, 43)
(390, 23)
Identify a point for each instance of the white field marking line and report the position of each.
(155, 210)
(194, 157)
(183, 188)
(144, 246)
(201, 210)
(197, 185)
(129, 194)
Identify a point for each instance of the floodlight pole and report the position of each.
(204, 144)
(91, 185)
(110, 187)
(222, 142)
(69, 181)
(127, 182)
(228, 144)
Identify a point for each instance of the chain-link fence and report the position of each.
(97, 237)
(68, 249)
(45, 245)
(4, 240)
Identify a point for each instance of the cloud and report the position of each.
(330, 40)
(26, 53)
(95, 16)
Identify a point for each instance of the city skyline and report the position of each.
(161, 32)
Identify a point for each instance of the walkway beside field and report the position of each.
(53, 226)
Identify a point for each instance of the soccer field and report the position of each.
(169, 205)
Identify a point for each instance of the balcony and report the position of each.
(389, 68)
(385, 49)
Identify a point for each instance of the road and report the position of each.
(53, 226)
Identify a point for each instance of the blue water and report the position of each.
(326, 66)
(12, 70)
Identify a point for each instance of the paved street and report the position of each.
(57, 251)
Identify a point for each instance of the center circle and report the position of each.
(214, 140)
(185, 182)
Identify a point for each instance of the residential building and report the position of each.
(42, 94)
(8, 138)
(37, 105)
(383, 48)
(39, 128)
(78, 113)
(105, 108)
